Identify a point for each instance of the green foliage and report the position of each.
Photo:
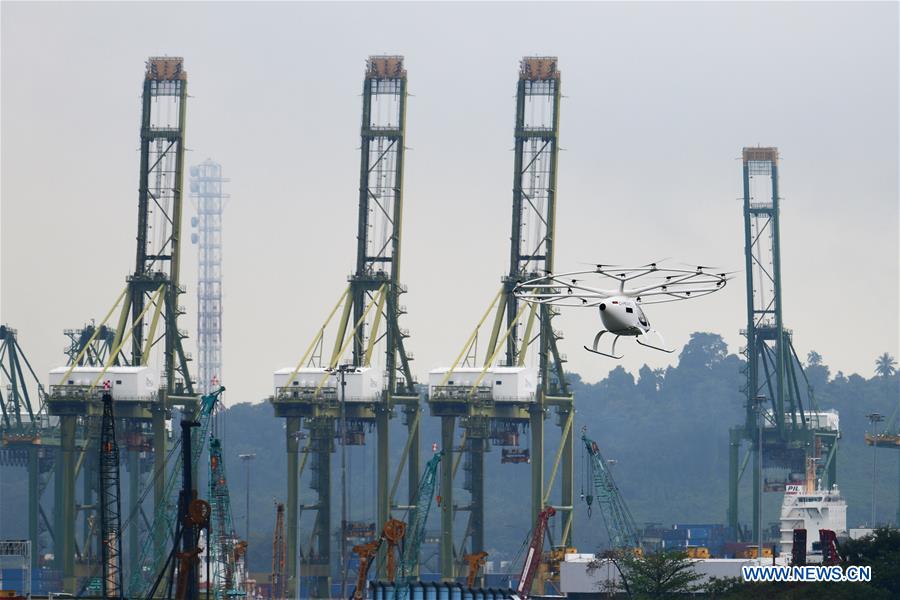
(885, 365)
(813, 359)
(881, 551)
(656, 575)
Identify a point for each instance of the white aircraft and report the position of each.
(620, 308)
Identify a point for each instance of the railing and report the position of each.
(483, 393)
(85, 392)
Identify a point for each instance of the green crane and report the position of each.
(418, 516)
(223, 545)
(618, 520)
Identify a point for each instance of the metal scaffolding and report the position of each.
(206, 191)
(486, 416)
(779, 399)
(311, 395)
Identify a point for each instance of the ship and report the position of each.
(808, 506)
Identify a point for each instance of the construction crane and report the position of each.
(395, 530)
(110, 504)
(224, 547)
(418, 516)
(392, 533)
(278, 550)
(165, 515)
(618, 520)
(535, 550)
(191, 517)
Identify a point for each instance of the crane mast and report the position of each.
(618, 520)
(110, 504)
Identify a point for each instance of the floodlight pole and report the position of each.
(759, 401)
(874, 420)
(247, 458)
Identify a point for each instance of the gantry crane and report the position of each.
(148, 312)
(520, 376)
(620, 527)
(27, 437)
(91, 345)
(780, 409)
(313, 395)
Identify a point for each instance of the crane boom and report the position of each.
(418, 515)
(533, 556)
(618, 520)
(223, 541)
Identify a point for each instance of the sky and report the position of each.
(659, 99)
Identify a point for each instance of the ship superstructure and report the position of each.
(808, 506)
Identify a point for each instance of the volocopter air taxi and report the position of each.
(620, 308)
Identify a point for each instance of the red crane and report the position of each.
(533, 556)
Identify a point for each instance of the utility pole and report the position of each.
(874, 419)
(247, 458)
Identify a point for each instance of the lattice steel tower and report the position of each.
(471, 389)
(778, 394)
(312, 393)
(206, 190)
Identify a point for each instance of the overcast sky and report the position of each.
(659, 100)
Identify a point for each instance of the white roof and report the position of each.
(497, 369)
(98, 370)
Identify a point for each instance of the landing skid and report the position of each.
(667, 351)
(612, 350)
(604, 353)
